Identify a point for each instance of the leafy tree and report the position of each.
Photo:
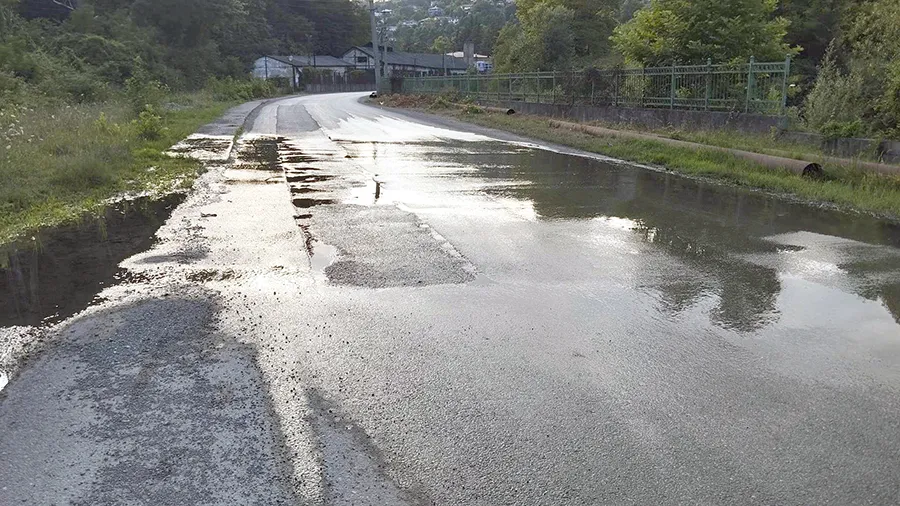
(860, 78)
(334, 25)
(813, 25)
(575, 32)
(690, 31)
(543, 40)
(442, 45)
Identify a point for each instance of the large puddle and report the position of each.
(62, 270)
(735, 246)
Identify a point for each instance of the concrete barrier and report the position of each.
(647, 118)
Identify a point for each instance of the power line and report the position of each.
(68, 4)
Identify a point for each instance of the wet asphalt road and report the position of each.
(367, 307)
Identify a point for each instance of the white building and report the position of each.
(402, 63)
(292, 66)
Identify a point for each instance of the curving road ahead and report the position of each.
(367, 307)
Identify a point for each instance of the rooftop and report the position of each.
(429, 60)
(311, 61)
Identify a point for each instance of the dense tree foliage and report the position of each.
(845, 52)
(690, 31)
(412, 28)
(857, 90)
(84, 54)
(556, 34)
(543, 40)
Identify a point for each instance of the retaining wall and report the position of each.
(888, 151)
(650, 118)
(337, 87)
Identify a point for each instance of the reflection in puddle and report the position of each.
(322, 256)
(366, 194)
(296, 190)
(60, 272)
(734, 246)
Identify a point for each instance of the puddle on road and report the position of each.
(267, 152)
(367, 193)
(308, 179)
(297, 190)
(322, 256)
(204, 147)
(63, 269)
(743, 244)
(306, 203)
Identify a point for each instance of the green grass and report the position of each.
(58, 164)
(843, 187)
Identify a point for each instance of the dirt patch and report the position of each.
(207, 275)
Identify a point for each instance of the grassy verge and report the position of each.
(843, 187)
(58, 163)
(770, 144)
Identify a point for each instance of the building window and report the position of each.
(362, 59)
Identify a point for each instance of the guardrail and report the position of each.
(751, 87)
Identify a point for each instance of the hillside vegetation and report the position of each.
(845, 53)
(91, 97)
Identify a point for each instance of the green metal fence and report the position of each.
(755, 87)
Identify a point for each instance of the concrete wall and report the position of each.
(649, 118)
(338, 87)
(888, 151)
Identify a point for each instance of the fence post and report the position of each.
(708, 83)
(784, 84)
(509, 82)
(592, 91)
(615, 88)
(672, 91)
(749, 84)
(553, 89)
(643, 85)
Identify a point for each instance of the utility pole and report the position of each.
(375, 49)
(311, 48)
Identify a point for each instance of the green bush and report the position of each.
(836, 98)
(105, 126)
(842, 129)
(149, 125)
(230, 89)
(143, 92)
